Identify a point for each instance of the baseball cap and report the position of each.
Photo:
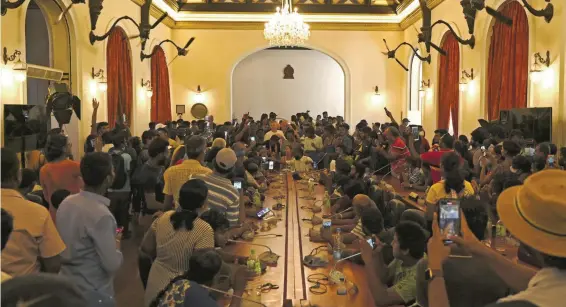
(226, 158)
(406, 120)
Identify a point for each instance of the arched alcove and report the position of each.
(38, 47)
(448, 85)
(161, 99)
(120, 77)
(414, 101)
(287, 81)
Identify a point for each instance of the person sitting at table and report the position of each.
(185, 290)
(351, 189)
(174, 236)
(409, 243)
(534, 214)
(300, 162)
(453, 185)
(351, 221)
(469, 281)
(433, 158)
(397, 153)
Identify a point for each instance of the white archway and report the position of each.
(341, 63)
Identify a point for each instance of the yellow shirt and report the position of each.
(312, 144)
(304, 164)
(437, 192)
(172, 143)
(34, 235)
(175, 176)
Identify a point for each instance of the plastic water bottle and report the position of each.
(342, 289)
(326, 201)
(500, 236)
(337, 246)
(252, 261)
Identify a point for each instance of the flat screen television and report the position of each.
(25, 127)
(535, 123)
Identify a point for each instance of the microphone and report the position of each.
(232, 295)
(248, 243)
(388, 164)
(346, 210)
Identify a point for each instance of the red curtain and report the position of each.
(508, 64)
(119, 76)
(161, 99)
(448, 83)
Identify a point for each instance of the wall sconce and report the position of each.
(537, 69)
(18, 72)
(101, 84)
(547, 12)
(376, 98)
(425, 88)
(199, 97)
(466, 78)
(147, 86)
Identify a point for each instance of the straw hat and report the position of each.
(535, 213)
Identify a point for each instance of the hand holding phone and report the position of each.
(271, 164)
(449, 218)
(238, 185)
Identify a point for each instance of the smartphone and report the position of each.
(264, 159)
(415, 131)
(252, 138)
(271, 165)
(371, 242)
(263, 212)
(119, 230)
(326, 224)
(226, 135)
(449, 218)
(483, 150)
(238, 185)
(550, 160)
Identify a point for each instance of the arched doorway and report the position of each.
(120, 78)
(287, 81)
(414, 101)
(51, 44)
(508, 68)
(448, 85)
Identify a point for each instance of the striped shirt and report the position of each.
(359, 230)
(174, 249)
(222, 196)
(176, 176)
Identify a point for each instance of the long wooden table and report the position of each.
(293, 245)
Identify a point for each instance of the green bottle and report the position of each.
(257, 199)
(252, 261)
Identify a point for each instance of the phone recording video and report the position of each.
(263, 212)
(271, 164)
(252, 138)
(371, 242)
(449, 218)
(226, 135)
(415, 132)
(238, 185)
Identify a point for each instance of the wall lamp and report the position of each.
(425, 88)
(199, 96)
(466, 78)
(376, 98)
(100, 84)
(538, 67)
(18, 72)
(146, 87)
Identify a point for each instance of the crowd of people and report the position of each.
(63, 220)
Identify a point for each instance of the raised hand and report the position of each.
(95, 104)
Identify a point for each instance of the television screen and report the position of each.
(25, 126)
(535, 123)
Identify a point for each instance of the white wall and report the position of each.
(258, 84)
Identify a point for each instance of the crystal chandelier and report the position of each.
(286, 28)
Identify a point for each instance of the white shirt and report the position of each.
(269, 134)
(546, 289)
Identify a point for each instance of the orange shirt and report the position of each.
(62, 175)
(34, 236)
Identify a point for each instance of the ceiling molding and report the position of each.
(328, 26)
(410, 19)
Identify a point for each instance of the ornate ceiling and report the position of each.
(357, 15)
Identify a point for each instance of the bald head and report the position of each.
(361, 201)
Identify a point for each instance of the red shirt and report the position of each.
(62, 175)
(433, 158)
(400, 149)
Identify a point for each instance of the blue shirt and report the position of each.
(89, 230)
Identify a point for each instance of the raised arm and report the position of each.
(95, 105)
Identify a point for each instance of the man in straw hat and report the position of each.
(535, 214)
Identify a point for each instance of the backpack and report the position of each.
(120, 176)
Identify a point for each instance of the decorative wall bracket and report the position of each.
(10, 58)
(144, 27)
(547, 12)
(391, 54)
(468, 42)
(471, 7)
(180, 51)
(5, 5)
(94, 8)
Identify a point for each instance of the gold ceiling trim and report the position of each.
(329, 26)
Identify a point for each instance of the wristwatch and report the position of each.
(431, 274)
